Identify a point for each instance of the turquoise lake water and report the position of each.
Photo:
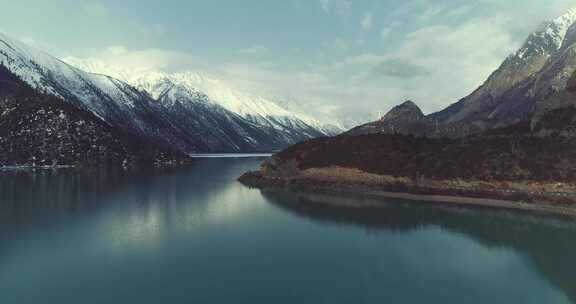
(195, 235)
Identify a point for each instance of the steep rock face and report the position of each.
(43, 130)
(554, 115)
(536, 70)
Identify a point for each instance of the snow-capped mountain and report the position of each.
(114, 101)
(537, 70)
(261, 110)
(548, 38)
(522, 87)
(42, 130)
(184, 118)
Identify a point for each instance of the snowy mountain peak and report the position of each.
(180, 116)
(558, 28)
(549, 37)
(566, 19)
(199, 87)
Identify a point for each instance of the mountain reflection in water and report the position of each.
(548, 242)
(196, 235)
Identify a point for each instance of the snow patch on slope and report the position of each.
(43, 72)
(256, 108)
(549, 37)
(561, 25)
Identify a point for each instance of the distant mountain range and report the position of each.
(191, 113)
(520, 88)
(165, 109)
(266, 111)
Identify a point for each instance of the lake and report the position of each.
(195, 235)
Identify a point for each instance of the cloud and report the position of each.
(431, 12)
(123, 57)
(341, 44)
(367, 22)
(255, 49)
(325, 4)
(95, 8)
(434, 66)
(434, 62)
(157, 30)
(400, 68)
(455, 59)
(338, 7)
(459, 10)
(385, 33)
(363, 59)
(387, 30)
(345, 45)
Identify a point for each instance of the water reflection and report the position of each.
(122, 207)
(195, 235)
(547, 242)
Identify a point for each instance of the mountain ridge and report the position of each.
(518, 89)
(188, 122)
(406, 118)
(39, 129)
(256, 108)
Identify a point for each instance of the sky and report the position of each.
(344, 57)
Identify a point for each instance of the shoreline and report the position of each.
(231, 155)
(30, 167)
(422, 195)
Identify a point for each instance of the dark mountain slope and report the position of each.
(513, 154)
(406, 118)
(530, 161)
(537, 149)
(42, 130)
(179, 116)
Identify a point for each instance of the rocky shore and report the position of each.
(339, 181)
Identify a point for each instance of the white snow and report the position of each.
(254, 107)
(43, 72)
(561, 26)
(553, 32)
(122, 102)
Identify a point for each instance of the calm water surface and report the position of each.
(195, 235)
